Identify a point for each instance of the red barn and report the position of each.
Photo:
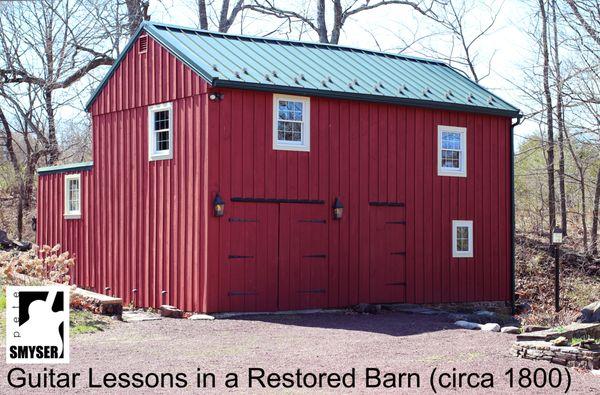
(235, 173)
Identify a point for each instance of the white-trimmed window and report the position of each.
(160, 131)
(462, 239)
(291, 123)
(452, 151)
(72, 196)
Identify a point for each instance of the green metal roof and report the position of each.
(83, 166)
(227, 60)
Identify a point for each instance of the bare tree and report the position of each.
(222, 18)
(560, 116)
(342, 12)
(549, 115)
(137, 11)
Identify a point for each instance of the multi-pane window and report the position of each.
(462, 239)
(452, 151)
(160, 131)
(291, 123)
(72, 196)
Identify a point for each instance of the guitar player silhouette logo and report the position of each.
(37, 329)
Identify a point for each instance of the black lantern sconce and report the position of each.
(215, 96)
(218, 206)
(338, 209)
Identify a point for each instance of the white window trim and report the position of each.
(152, 153)
(462, 254)
(69, 214)
(304, 145)
(462, 172)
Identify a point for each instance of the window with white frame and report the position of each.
(72, 196)
(291, 123)
(160, 131)
(462, 239)
(452, 151)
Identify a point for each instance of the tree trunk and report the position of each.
(560, 115)
(321, 25)
(52, 149)
(595, 218)
(137, 11)
(337, 22)
(202, 16)
(549, 116)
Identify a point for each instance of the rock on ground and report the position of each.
(467, 325)
(590, 313)
(201, 317)
(491, 327)
(510, 330)
(170, 311)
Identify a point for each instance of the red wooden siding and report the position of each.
(149, 225)
(146, 220)
(363, 152)
(74, 235)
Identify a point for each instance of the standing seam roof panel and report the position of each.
(231, 54)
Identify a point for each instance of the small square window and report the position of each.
(160, 131)
(462, 239)
(291, 123)
(72, 196)
(452, 151)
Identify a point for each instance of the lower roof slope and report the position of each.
(302, 68)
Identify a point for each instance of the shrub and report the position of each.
(45, 264)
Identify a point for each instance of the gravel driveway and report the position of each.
(328, 342)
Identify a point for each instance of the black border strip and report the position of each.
(388, 204)
(217, 83)
(272, 200)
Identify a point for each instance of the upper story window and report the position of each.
(291, 123)
(160, 131)
(462, 239)
(452, 151)
(72, 196)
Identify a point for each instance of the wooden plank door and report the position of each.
(388, 255)
(303, 256)
(248, 272)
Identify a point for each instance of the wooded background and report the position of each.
(54, 52)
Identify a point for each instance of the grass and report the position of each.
(85, 322)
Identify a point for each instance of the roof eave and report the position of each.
(83, 166)
(366, 97)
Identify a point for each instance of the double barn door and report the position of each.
(276, 256)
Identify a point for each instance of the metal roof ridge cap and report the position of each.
(295, 42)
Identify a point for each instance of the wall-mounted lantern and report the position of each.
(215, 96)
(218, 206)
(338, 209)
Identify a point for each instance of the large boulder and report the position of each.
(590, 313)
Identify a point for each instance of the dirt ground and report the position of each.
(331, 342)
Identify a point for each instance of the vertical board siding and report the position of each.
(141, 220)
(362, 152)
(73, 235)
(148, 225)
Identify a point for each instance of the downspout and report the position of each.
(512, 213)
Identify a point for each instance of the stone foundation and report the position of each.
(567, 356)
